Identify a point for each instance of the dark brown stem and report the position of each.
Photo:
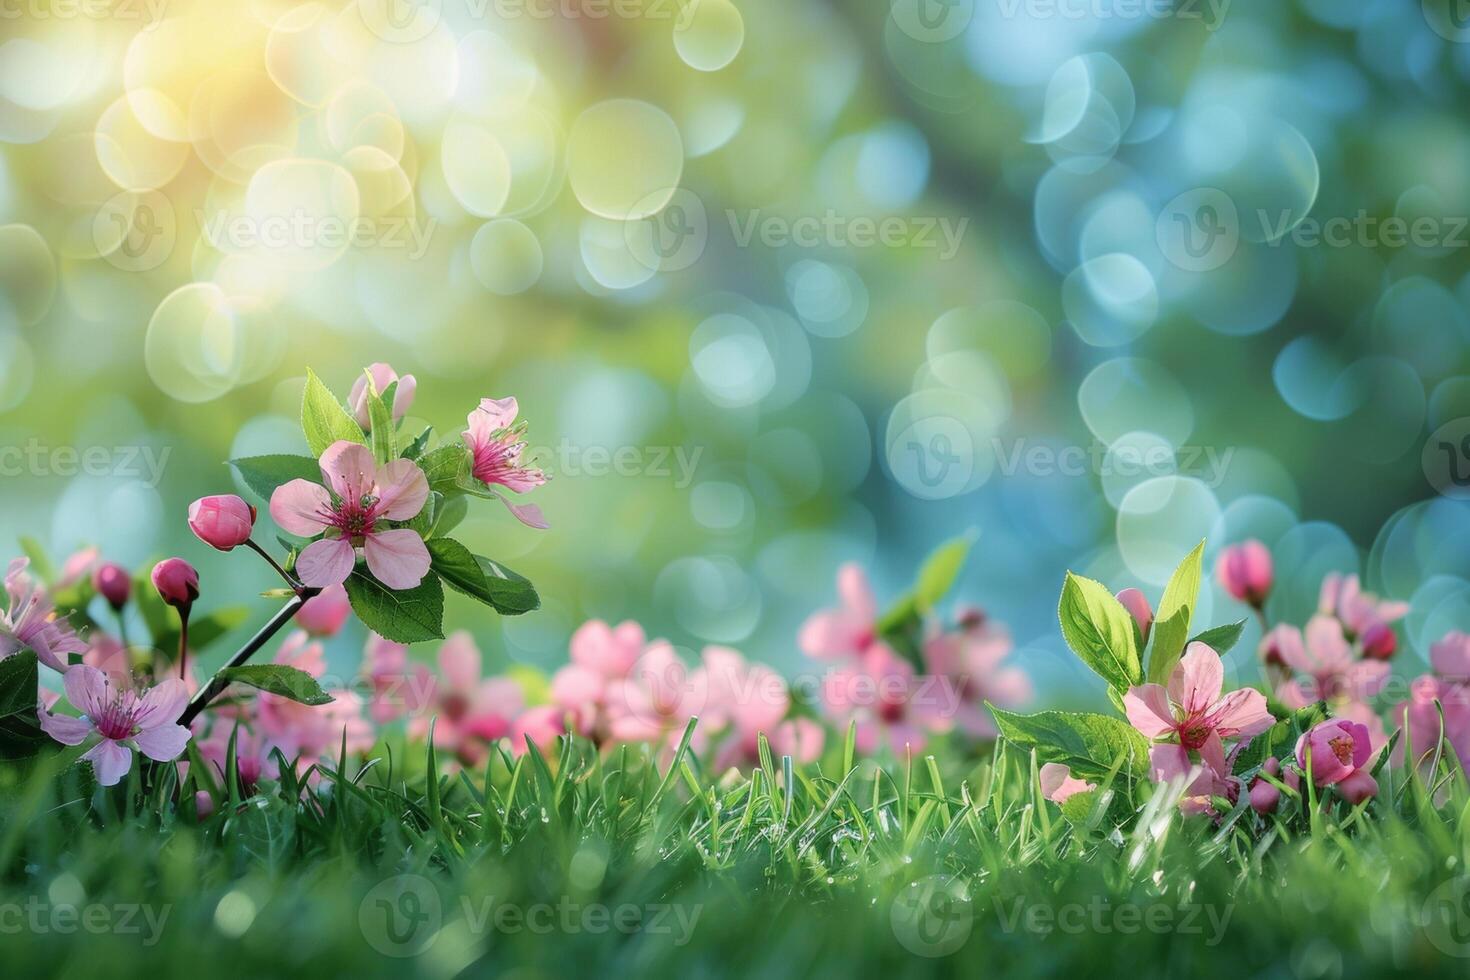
(183, 640)
(290, 579)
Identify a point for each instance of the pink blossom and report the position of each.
(383, 375)
(78, 565)
(602, 655)
(848, 630)
(1192, 708)
(1343, 597)
(123, 718)
(325, 613)
(800, 738)
(254, 755)
(363, 495)
(1266, 796)
(494, 441)
(1326, 658)
(32, 623)
(107, 654)
(747, 699)
(224, 521)
(470, 710)
(113, 583)
(656, 700)
(1450, 657)
(1244, 570)
(1420, 718)
(1137, 605)
(1203, 781)
(1338, 753)
(969, 659)
(883, 693)
(177, 583)
(543, 725)
(1058, 785)
(399, 688)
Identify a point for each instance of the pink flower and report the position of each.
(1058, 785)
(882, 692)
(543, 725)
(1203, 781)
(31, 622)
(1420, 719)
(1244, 570)
(1343, 597)
(969, 659)
(1326, 658)
(398, 687)
(325, 613)
(748, 699)
(78, 565)
(1192, 709)
(177, 583)
(800, 738)
(108, 655)
(362, 495)
(602, 655)
(848, 630)
(383, 375)
(1264, 795)
(494, 441)
(1137, 605)
(224, 522)
(656, 700)
(1450, 657)
(1337, 753)
(124, 720)
(471, 711)
(113, 583)
(254, 755)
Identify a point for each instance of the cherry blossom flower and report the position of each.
(1343, 597)
(123, 718)
(383, 375)
(32, 623)
(889, 701)
(494, 441)
(1193, 708)
(969, 658)
(744, 699)
(113, 583)
(469, 710)
(657, 698)
(362, 496)
(177, 583)
(325, 613)
(1137, 605)
(849, 630)
(1244, 570)
(1326, 657)
(1339, 753)
(399, 688)
(224, 522)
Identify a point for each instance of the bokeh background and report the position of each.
(778, 286)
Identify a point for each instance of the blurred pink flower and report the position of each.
(494, 441)
(78, 565)
(1058, 785)
(1326, 657)
(1450, 657)
(744, 699)
(125, 719)
(1244, 570)
(470, 710)
(889, 701)
(1194, 709)
(1339, 753)
(543, 725)
(848, 630)
(657, 698)
(399, 688)
(113, 584)
(326, 613)
(362, 495)
(1343, 597)
(31, 622)
(969, 658)
(383, 375)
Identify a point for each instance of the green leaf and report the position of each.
(1087, 744)
(1280, 739)
(384, 449)
(423, 521)
(1100, 631)
(323, 419)
(448, 516)
(1220, 638)
(288, 682)
(939, 571)
(40, 561)
(420, 443)
(446, 469)
(20, 730)
(403, 615)
(1171, 620)
(263, 474)
(481, 578)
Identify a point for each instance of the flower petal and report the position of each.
(527, 514)
(1327, 648)
(326, 562)
(1148, 710)
(65, 729)
(348, 468)
(162, 705)
(397, 558)
(402, 490)
(1242, 714)
(297, 507)
(1198, 680)
(110, 761)
(163, 743)
(856, 594)
(88, 689)
(460, 661)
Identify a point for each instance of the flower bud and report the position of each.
(177, 583)
(223, 522)
(383, 376)
(1137, 605)
(113, 583)
(1379, 641)
(1245, 571)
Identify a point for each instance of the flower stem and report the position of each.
(183, 641)
(290, 579)
(217, 683)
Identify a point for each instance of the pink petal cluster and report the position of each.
(310, 732)
(889, 702)
(383, 375)
(470, 711)
(31, 621)
(224, 522)
(495, 444)
(1445, 691)
(1058, 784)
(398, 687)
(325, 613)
(124, 720)
(1321, 664)
(745, 700)
(1245, 571)
(1339, 753)
(969, 658)
(358, 498)
(1365, 617)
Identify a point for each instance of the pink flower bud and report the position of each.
(383, 376)
(325, 614)
(1137, 605)
(177, 583)
(1379, 641)
(1341, 753)
(113, 583)
(222, 522)
(1244, 570)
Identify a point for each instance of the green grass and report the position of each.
(941, 865)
